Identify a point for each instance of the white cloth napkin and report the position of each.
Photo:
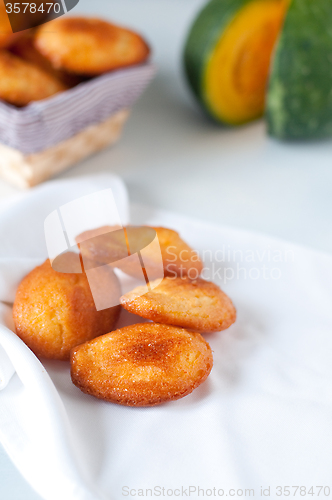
(262, 419)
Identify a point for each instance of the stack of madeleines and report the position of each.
(39, 63)
(144, 364)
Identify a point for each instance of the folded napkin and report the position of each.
(262, 419)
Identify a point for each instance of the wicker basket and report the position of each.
(47, 137)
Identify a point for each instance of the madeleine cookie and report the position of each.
(22, 82)
(142, 365)
(54, 312)
(107, 245)
(179, 259)
(196, 304)
(89, 46)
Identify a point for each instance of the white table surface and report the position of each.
(171, 157)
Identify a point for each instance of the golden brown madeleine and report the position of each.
(24, 47)
(6, 38)
(20, 21)
(108, 244)
(196, 304)
(54, 312)
(89, 46)
(142, 365)
(103, 245)
(22, 82)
